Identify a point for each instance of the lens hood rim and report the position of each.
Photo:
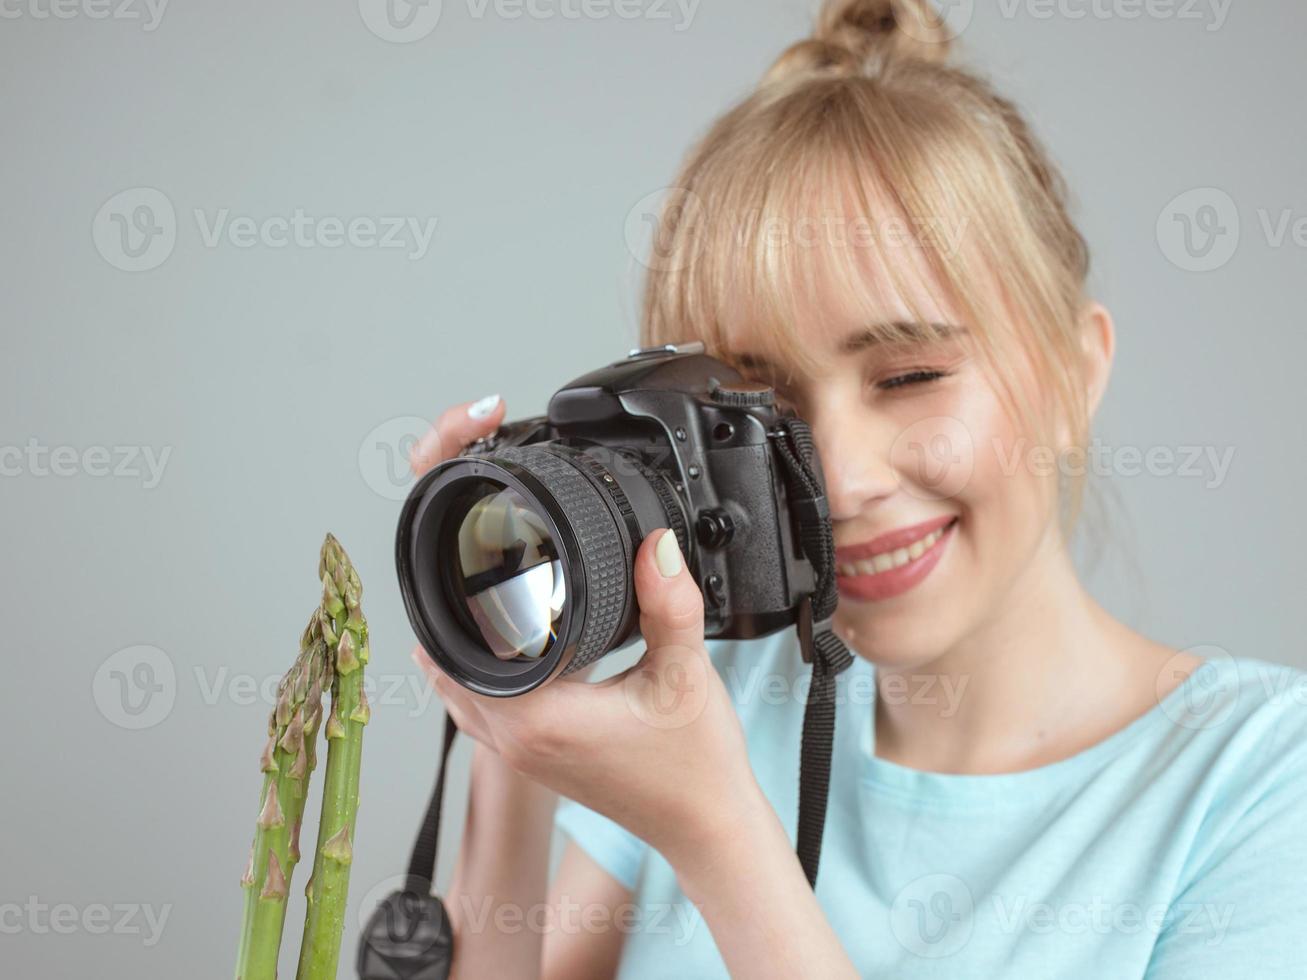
(427, 606)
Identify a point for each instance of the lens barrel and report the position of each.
(517, 566)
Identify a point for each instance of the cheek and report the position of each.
(950, 442)
(1010, 495)
(958, 446)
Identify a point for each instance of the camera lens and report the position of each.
(516, 566)
(505, 574)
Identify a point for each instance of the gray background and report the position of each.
(278, 377)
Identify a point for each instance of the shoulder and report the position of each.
(1242, 706)
(1239, 747)
(1238, 734)
(1239, 727)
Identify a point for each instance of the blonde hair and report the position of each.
(868, 112)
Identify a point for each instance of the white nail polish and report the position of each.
(483, 408)
(667, 553)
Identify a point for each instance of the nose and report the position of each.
(855, 459)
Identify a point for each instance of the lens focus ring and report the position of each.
(604, 560)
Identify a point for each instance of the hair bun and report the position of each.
(855, 35)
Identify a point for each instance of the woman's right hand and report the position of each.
(456, 429)
(504, 854)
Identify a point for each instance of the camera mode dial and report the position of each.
(741, 394)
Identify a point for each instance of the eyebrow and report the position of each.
(901, 332)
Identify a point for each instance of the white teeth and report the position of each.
(892, 559)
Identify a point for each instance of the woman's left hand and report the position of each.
(656, 748)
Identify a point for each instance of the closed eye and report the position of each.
(911, 378)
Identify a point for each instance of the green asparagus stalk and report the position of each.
(345, 633)
(287, 762)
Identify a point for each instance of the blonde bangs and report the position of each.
(832, 197)
(873, 190)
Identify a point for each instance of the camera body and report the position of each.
(667, 437)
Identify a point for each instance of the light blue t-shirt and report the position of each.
(1176, 848)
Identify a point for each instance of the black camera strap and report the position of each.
(817, 640)
(409, 936)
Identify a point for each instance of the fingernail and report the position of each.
(483, 408)
(668, 555)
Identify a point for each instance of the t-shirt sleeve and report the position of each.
(1244, 911)
(611, 846)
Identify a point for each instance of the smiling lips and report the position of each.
(892, 563)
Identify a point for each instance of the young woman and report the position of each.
(1021, 785)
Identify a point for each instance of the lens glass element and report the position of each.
(507, 577)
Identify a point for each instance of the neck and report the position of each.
(1049, 674)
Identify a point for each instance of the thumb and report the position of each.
(671, 605)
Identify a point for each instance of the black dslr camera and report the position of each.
(515, 562)
(515, 558)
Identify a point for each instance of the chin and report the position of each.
(893, 640)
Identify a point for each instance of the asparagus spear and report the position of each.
(345, 633)
(287, 762)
